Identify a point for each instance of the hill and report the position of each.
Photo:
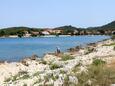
(69, 27)
(107, 29)
(20, 31)
(109, 26)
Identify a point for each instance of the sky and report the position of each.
(55, 13)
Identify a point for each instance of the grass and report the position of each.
(89, 50)
(7, 80)
(25, 85)
(98, 73)
(113, 37)
(37, 81)
(55, 77)
(67, 82)
(36, 74)
(20, 75)
(112, 44)
(62, 72)
(54, 66)
(98, 62)
(66, 57)
(25, 77)
(43, 62)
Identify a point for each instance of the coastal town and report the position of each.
(69, 30)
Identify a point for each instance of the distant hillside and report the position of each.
(69, 27)
(19, 28)
(109, 26)
(107, 29)
(16, 31)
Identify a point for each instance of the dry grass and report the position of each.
(99, 75)
(112, 63)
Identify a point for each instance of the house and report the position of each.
(76, 31)
(27, 34)
(45, 33)
(35, 33)
(13, 36)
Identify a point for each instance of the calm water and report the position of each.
(14, 49)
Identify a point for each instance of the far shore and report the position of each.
(47, 36)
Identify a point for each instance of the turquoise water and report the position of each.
(15, 49)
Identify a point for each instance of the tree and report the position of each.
(2, 33)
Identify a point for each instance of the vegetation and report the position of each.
(20, 31)
(20, 75)
(98, 62)
(107, 29)
(25, 85)
(66, 57)
(54, 66)
(89, 50)
(36, 74)
(43, 62)
(99, 74)
(112, 44)
(113, 37)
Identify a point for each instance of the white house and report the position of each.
(45, 33)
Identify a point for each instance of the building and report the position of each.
(45, 33)
(27, 34)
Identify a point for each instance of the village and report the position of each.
(14, 32)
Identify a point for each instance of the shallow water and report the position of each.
(15, 49)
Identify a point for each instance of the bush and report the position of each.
(43, 62)
(54, 66)
(113, 37)
(66, 57)
(98, 62)
(112, 44)
(36, 74)
(89, 50)
(114, 48)
(20, 75)
(7, 80)
(100, 75)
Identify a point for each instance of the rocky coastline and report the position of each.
(60, 70)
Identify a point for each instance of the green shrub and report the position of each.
(43, 62)
(25, 85)
(112, 44)
(113, 37)
(26, 76)
(36, 74)
(89, 50)
(22, 72)
(114, 48)
(7, 80)
(66, 81)
(54, 66)
(100, 75)
(66, 57)
(98, 62)
(20, 75)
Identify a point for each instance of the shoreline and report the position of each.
(53, 36)
(71, 50)
(57, 65)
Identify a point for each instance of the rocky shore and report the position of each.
(68, 69)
